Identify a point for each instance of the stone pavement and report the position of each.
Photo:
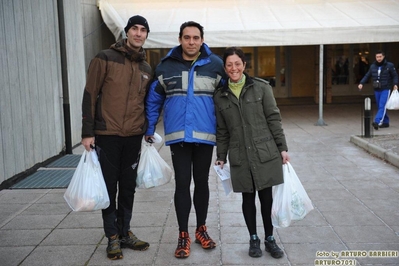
(355, 196)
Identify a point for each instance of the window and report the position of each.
(267, 64)
(282, 66)
(340, 67)
(361, 61)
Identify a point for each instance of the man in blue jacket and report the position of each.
(384, 76)
(185, 81)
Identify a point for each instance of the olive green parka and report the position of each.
(250, 134)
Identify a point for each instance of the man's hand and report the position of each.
(88, 143)
(149, 139)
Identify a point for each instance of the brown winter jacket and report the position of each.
(113, 100)
(250, 133)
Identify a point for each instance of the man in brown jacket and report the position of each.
(114, 123)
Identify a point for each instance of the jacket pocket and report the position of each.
(234, 154)
(224, 108)
(266, 148)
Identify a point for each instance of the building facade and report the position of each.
(293, 71)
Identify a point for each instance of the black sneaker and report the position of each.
(254, 247)
(114, 251)
(384, 125)
(272, 248)
(131, 241)
(375, 125)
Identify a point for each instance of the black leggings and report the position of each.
(249, 210)
(198, 157)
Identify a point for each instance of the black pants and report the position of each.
(249, 210)
(118, 159)
(195, 157)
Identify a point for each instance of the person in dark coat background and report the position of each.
(250, 134)
(384, 76)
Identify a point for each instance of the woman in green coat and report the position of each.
(249, 131)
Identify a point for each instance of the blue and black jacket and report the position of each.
(184, 91)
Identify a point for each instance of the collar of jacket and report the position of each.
(383, 62)
(177, 53)
(248, 82)
(130, 54)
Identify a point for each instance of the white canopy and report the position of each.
(260, 22)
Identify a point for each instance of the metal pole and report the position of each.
(320, 122)
(64, 74)
(367, 117)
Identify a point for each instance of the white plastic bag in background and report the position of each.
(393, 101)
(152, 171)
(87, 190)
(290, 200)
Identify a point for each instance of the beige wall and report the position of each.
(31, 95)
(96, 35)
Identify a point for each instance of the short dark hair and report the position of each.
(233, 50)
(191, 24)
(380, 52)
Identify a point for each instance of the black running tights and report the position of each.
(198, 157)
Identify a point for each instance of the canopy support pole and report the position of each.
(64, 77)
(320, 122)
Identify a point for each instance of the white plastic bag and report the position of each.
(290, 200)
(224, 175)
(87, 190)
(393, 101)
(152, 171)
(157, 138)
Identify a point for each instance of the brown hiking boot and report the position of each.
(131, 241)
(114, 251)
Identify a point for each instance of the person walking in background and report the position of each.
(384, 76)
(114, 123)
(250, 135)
(185, 82)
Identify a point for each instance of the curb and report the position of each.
(381, 153)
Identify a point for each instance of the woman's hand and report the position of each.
(285, 157)
(221, 163)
